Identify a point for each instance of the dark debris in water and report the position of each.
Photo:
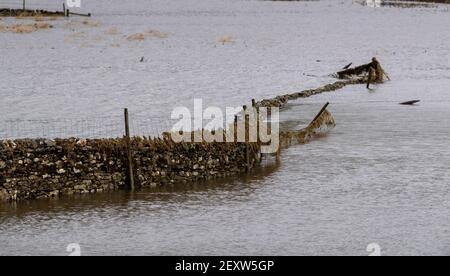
(410, 102)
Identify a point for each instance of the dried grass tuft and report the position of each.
(22, 29)
(144, 35)
(26, 28)
(42, 25)
(226, 39)
(136, 37)
(112, 31)
(39, 18)
(156, 34)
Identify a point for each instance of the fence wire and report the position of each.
(95, 128)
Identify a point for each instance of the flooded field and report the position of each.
(381, 176)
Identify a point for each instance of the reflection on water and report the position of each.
(381, 176)
(68, 215)
(241, 184)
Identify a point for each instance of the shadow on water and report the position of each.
(243, 184)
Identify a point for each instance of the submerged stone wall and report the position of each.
(48, 168)
(282, 101)
(40, 168)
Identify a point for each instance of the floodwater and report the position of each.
(381, 176)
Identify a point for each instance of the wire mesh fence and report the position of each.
(95, 128)
(51, 5)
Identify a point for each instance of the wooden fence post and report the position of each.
(320, 113)
(258, 138)
(247, 142)
(245, 122)
(235, 126)
(369, 78)
(258, 129)
(129, 155)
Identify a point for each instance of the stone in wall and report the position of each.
(4, 195)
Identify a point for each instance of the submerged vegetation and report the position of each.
(25, 28)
